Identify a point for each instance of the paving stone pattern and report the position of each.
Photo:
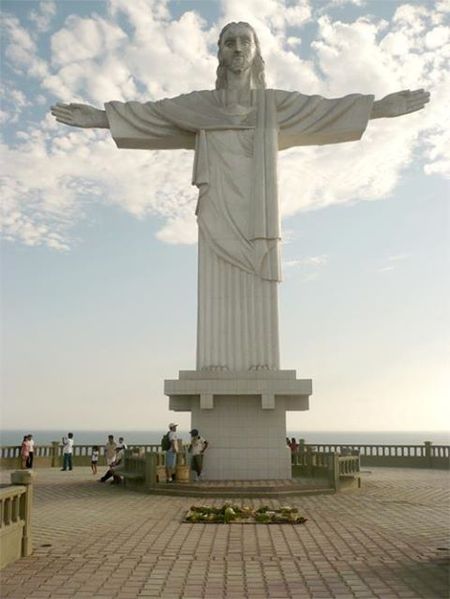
(102, 541)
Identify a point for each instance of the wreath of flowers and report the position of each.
(206, 514)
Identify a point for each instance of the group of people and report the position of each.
(114, 453)
(27, 451)
(197, 448)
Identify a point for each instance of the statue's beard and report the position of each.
(238, 63)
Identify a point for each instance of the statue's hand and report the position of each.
(80, 115)
(400, 103)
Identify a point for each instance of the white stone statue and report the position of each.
(236, 131)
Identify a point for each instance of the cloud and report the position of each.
(20, 49)
(43, 16)
(307, 261)
(13, 102)
(386, 268)
(41, 169)
(137, 50)
(393, 262)
(398, 257)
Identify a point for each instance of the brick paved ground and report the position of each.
(98, 541)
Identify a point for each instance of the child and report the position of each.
(94, 459)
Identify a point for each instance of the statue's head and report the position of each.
(239, 50)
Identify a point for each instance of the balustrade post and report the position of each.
(309, 462)
(428, 454)
(298, 458)
(150, 469)
(25, 478)
(333, 470)
(55, 454)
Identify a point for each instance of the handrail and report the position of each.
(15, 517)
(426, 455)
(377, 449)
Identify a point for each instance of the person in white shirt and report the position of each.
(121, 444)
(171, 453)
(114, 468)
(94, 459)
(110, 450)
(67, 452)
(197, 448)
(31, 446)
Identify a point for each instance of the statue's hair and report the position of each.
(257, 68)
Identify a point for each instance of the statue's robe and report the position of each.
(238, 218)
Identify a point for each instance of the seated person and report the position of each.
(114, 468)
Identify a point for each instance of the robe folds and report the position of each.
(235, 170)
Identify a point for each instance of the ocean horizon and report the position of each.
(99, 437)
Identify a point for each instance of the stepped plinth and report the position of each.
(243, 417)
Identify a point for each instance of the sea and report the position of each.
(99, 437)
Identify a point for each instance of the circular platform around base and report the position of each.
(244, 488)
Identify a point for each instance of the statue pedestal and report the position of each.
(243, 417)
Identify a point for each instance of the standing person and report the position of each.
(171, 453)
(293, 445)
(122, 444)
(31, 445)
(294, 449)
(67, 452)
(94, 459)
(197, 448)
(25, 451)
(110, 450)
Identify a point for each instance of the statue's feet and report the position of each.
(261, 367)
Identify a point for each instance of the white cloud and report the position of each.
(43, 16)
(61, 176)
(313, 261)
(386, 268)
(19, 47)
(13, 102)
(398, 257)
(137, 51)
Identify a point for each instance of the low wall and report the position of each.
(341, 472)
(51, 456)
(400, 456)
(395, 456)
(15, 518)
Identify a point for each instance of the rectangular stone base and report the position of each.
(243, 417)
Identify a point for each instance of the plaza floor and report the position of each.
(386, 540)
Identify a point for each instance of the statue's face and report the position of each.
(238, 48)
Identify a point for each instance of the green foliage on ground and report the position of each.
(207, 514)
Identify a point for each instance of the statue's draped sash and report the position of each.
(235, 169)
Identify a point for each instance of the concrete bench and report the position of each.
(131, 475)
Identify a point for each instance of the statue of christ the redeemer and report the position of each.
(236, 131)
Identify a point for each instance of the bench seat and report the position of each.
(132, 475)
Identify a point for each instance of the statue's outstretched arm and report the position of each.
(400, 103)
(80, 115)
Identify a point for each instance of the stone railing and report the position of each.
(341, 471)
(15, 518)
(401, 456)
(51, 456)
(143, 471)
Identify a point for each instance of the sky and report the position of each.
(99, 255)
